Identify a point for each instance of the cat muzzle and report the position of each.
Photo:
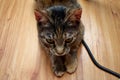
(60, 49)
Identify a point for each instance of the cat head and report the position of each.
(58, 28)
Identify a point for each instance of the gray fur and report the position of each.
(59, 38)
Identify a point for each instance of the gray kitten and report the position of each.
(60, 32)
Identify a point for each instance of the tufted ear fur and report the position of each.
(41, 16)
(75, 14)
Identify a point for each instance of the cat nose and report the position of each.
(59, 49)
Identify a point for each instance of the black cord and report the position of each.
(97, 64)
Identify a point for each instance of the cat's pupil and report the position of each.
(69, 40)
(51, 41)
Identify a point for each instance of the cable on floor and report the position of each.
(97, 64)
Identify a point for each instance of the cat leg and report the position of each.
(58, 65)
(71, 61)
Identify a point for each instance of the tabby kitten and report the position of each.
(60, 31)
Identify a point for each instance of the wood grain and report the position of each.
(22, 58)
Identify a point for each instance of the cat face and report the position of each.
(58, 28)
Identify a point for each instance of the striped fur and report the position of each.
(60, 31)
(43, 4)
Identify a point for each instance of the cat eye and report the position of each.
(69, 40)
(70, 23)
(51, 41)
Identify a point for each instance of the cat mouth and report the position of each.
(57, 54)
(60, 54)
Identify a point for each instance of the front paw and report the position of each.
(59, 73)
(71, 67)
(71, 63)
(59, 70)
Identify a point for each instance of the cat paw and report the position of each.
(71, 68)
(59, 73)
(59, 70)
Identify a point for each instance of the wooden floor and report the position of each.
(21, 57)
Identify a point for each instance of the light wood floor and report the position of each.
(21, 57)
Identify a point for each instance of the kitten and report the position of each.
(60, 31)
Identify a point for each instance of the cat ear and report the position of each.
(37, 15)
(76, 14)
(40, 15)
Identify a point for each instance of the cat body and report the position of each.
(43, 4)
(60, 31)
